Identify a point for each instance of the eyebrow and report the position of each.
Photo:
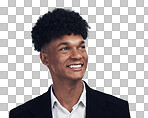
(67, 43)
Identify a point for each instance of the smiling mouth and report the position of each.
(75, 65)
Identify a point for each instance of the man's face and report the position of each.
(67, 57)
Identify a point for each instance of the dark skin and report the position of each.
(58, 55)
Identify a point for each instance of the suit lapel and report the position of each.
(42, 107)
(94, 104)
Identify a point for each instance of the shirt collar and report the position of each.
(81, 100)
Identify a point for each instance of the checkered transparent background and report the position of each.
(117, 47)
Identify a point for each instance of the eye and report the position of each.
(65, 48)
(82, 47)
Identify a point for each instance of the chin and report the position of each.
(76, 78)
(75, 75)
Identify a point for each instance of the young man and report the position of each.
(59, 37)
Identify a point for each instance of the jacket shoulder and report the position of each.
(110, 99)
(109, 104)
(26, 106)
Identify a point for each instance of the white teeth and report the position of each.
(75, 66)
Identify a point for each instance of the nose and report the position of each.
(76, 54)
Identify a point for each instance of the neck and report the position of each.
(68, 92)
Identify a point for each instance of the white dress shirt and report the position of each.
(78, 110)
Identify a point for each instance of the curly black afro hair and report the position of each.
(58, 23)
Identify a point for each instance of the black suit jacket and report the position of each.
(98, 105)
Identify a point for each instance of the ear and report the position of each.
(44, 58)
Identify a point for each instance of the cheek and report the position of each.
(86, 57)
(59, 62)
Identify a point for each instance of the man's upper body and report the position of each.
(59, 37)
(98, 105)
